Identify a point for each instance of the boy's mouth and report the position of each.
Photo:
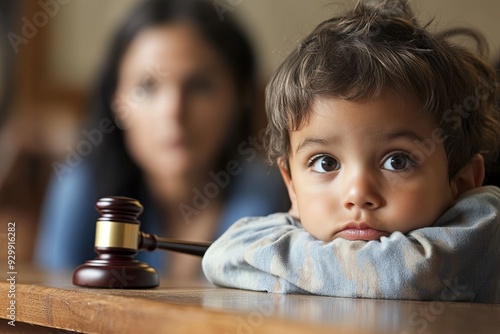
(360, 231)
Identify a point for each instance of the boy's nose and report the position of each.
(362, 191)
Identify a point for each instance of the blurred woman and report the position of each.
(170, 126)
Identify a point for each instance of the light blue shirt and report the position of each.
(455, 259)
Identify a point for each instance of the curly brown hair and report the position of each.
(379, 45)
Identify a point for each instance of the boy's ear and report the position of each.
(287, 177)
(469, 177)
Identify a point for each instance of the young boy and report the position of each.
(381, 131)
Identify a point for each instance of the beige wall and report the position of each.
(278, 24)
(82, 28)
(80, 33)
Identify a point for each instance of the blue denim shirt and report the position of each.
(455, 259)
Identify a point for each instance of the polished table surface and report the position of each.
(50, 300)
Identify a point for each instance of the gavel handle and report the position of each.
(151, 242)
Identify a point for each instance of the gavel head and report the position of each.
(116, 244)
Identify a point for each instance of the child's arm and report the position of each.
(456, 259)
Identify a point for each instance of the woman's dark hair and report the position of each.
(116, 172)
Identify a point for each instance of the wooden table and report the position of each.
(51, 301)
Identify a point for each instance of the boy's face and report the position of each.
(362, 170)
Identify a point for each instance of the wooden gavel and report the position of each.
(117, 240)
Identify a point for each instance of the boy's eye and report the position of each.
(323, 164)
(398, 162)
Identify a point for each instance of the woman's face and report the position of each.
(175, 101)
